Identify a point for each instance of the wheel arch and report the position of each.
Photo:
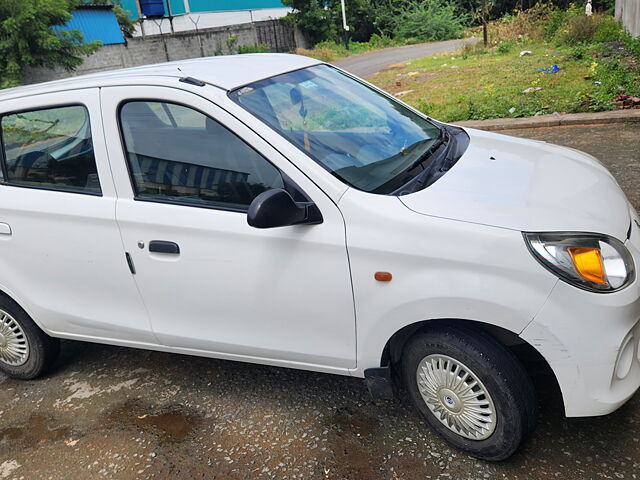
(534, 362)
(4, 292)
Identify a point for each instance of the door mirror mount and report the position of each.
(277, 208)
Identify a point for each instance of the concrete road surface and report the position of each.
(118, 413)
(366, 64)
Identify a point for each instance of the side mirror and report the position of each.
(276, 208)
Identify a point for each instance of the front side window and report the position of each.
(362, 137)
(50, 149)
(179, 155)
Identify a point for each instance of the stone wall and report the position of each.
(177, 46)
(628, 11)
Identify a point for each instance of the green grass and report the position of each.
(483, 84)
(329, 51)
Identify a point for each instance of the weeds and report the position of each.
(328, 51)
(260, 48)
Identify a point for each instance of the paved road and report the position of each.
(366, 64)
(118, 413)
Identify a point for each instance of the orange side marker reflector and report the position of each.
(383, 276)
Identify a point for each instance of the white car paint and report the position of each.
(528, 186)
(305, 296)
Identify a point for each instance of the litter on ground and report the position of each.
(552, 69)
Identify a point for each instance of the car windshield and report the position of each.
(365, 138)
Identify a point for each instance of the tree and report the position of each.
(484, 15)
(429, 20)
(28, 38)
(313, 18)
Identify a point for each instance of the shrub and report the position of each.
(608, 31)
(504, 47)
(578, 28)
(578, 52)
(429, 20)
(260, 48)
(381, 41)
(554, 23)
(470, 49)
(525, 24)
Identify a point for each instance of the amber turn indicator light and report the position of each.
(383, 276)
(588, 263)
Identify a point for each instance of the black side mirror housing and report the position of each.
(277, 208)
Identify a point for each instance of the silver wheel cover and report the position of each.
(456, 397)
(14, 347)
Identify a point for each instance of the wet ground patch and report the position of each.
(36, 431)
(171, 424)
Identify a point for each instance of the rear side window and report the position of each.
(178, 155)
(50, 149)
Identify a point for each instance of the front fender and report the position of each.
(441, 269)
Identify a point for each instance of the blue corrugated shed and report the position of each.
(97, 23)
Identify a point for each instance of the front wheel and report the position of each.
(470, 389)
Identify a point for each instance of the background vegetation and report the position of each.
(27, 38)
(406, 20)
(30, 36)
(598, 62)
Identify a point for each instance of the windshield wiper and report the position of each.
(442, 138)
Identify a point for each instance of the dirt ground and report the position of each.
(109, 412)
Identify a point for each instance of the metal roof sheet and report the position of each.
(96, 24)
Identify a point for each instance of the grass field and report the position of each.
(490, 83)
(329, 51)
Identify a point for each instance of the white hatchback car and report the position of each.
(140, 208)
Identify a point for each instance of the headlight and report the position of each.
(590, 261)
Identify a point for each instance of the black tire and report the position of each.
(43, 350)
(502, 374)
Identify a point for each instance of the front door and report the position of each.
(186, 172)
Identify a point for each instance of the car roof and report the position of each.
(227, 72)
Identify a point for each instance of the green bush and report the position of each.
(575, 27)
(608, 31)
(504, 47)
(260, 48)
(381, 41)
(578, 52)
(578, 29)
(429, 20)
(555, 22)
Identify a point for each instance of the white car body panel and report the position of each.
(48, 263)
(235, 289)
(441, 269)
(527, 186)
(305, 296)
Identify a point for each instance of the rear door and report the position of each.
(211, 282)
(61, 253)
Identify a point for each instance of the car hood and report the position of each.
(526, 185)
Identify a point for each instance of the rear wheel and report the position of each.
(471, 390)
(25, 350)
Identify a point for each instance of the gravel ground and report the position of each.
(109, 412)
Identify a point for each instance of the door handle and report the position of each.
(5, 229)
(161, 246)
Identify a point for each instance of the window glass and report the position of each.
(50, 148)
(361, 136)
(176, 153)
